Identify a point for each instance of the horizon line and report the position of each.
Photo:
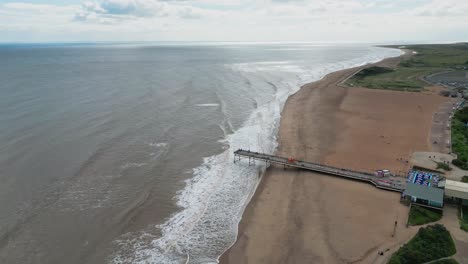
(226, 42)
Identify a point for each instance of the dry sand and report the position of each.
(302, 217)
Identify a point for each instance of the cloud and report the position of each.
(237, 20)
(312, 9)
(444, 8)
(189, 13)
(112, 11)
(35, 8)
(287, 1)
(121, 8)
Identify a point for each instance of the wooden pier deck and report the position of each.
(388, 183)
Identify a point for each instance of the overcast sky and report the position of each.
(234, 20)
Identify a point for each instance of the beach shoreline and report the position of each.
(296, 216)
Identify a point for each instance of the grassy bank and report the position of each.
(464, 220)
(407, 76)
(460, 138)
(445, 261)
(419, 215)
(430, 243)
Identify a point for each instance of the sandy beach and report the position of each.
(301, 217)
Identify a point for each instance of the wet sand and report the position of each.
(302, 217)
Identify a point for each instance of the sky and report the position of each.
(348, 21)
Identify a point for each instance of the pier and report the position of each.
(388, 182)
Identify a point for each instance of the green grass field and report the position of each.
(464, 221)
(430, 243)
(403, 79)
(438, 56)
(460, 138)
(407, 76)
(419, 215)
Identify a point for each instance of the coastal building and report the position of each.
(456, 190)
(424, 195)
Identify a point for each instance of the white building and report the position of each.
(455, 189)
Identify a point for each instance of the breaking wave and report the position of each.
(215, 197)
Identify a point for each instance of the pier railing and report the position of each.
(389, 183)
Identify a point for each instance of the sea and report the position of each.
(123, 152)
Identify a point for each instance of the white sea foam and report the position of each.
(207, 104)
(158, 144)
(133, 165)
(214, 199)
(267, 66)
(290, 49)
(159, 149)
